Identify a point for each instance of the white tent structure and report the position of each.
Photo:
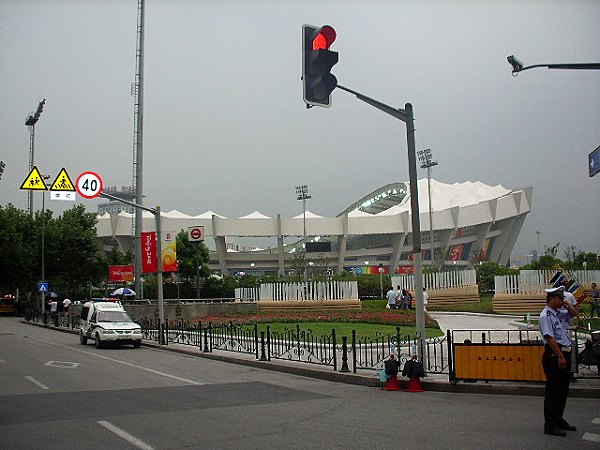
(471, 222)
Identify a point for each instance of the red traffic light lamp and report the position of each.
(317, 61)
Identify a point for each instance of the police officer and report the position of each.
(554, 320)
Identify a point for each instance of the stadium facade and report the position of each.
(471, 223)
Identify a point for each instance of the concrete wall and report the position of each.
(187, 311)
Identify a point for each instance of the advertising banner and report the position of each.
(169, 253)
(149, 261)
(120, 273)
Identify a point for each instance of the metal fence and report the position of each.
(346, 354)
(302, 345)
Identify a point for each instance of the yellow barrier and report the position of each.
(500, 362)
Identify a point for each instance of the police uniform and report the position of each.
(554, 323)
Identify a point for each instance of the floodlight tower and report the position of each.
(427, 163)
(30, 122)
(137, 90)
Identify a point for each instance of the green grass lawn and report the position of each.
(363, 330)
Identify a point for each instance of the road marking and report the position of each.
(147, 369)
(36, 382)
(596, 421)
(62, 364)
(2, 361)
(125, 435)
(591, 437)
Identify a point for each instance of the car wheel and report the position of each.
(98, 341)
(137, 344)
(82, 338)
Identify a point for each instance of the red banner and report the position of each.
(149, 262)
(120, 273)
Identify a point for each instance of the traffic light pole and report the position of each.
(406, 116)
(159, 268)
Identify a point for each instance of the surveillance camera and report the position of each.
(515, 63)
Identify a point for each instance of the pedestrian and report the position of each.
(404, 299)
(595, 300)
(425, 299)
(554, 320)
(392, 366)
(391, 298)
(54, 311)
(66, 303)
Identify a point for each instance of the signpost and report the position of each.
(196, 234)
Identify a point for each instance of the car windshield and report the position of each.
(113, 316)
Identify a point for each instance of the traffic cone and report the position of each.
(392, 384)
(414, 385)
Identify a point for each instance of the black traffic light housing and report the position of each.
(317, 61)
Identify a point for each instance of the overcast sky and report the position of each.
(225, 127)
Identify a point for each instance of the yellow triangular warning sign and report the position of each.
(34, 181)
(62, 182)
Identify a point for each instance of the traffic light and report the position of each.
(2, 166)
(317, 61)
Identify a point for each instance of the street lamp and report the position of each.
(427, 163)
(518, 66)
(30, 122)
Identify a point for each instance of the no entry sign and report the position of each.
(196, 234)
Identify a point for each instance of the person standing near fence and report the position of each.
(391, 298)
(554, 321)
(595, 300)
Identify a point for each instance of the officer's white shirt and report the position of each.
(554, 323)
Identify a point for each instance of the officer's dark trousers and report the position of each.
(557, 388)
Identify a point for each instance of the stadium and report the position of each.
(471, 223)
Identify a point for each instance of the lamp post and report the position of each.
(518, 66)
(30, 122)
(427, 163)
(302, 194)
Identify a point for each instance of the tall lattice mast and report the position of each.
(137, 90)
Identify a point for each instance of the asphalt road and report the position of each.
(57, 394)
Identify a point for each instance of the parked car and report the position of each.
(108, 323)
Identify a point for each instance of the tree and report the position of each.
(298, 266)
(486, 273)
(19, 262)
(189, 254)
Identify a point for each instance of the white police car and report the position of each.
(108, 322)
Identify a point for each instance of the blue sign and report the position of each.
(42, 286)
(594, 163)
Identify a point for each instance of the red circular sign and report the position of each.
(89, 185)
(196, 233)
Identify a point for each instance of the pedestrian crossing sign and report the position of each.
(62, 182)
(34, 181)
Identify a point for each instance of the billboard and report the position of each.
(120, 273)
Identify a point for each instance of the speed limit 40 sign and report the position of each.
(89, 185)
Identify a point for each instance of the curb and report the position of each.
(457, 387)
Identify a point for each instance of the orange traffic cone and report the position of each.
(392, 384)
(414, 385)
